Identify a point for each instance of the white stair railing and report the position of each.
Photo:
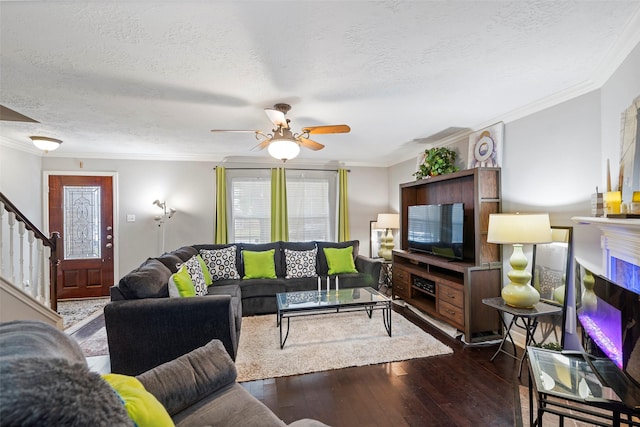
(34, 275)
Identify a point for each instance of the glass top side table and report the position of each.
(529, 318)
(567, 385)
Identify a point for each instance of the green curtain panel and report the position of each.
(221, 233)
(279, 223)
(343, 206)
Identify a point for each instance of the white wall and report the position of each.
(554, 159)
(368, 196)
(21, 182)
(187, 186)
(617, 94)
(190, 188)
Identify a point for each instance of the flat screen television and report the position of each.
(436, 229)
(609, 319)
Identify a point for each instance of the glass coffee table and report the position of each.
(309, 303)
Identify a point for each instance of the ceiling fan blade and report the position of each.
(308, 143)
(327, 129)
(262, 145)
(276, 117)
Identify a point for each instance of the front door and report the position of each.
(81, 210)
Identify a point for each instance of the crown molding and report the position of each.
(628, 40)
(21, 146)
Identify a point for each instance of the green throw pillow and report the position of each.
(340, 260)
(259, 265)
(205, 271)
(143, 407)
(181, 281)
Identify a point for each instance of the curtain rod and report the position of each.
(289, 169)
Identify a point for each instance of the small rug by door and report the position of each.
(331, 341)
(75, 311)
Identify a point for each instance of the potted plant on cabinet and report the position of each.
(437, 161)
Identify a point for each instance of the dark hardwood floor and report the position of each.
(461, 389)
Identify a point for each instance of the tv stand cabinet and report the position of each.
(453, 291)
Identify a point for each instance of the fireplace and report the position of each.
(620, 249)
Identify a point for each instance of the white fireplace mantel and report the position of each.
(620, 238)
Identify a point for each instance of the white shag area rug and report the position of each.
(325, 342)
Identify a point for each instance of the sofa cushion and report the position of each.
(143, 408)
(259, 247)
(213, 246)
(322, 267)
(221, 262)
(147, 281)
(185, 252)
(340, 260)
(171, 261)
(262, 287)
(180, 284)
(356, 280)
(186, 380)
(208, 280)
(194, 268)
(303, 284)
(259, 265)
(300, 263)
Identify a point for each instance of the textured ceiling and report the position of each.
(149, 79)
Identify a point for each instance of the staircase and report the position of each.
(28, 268)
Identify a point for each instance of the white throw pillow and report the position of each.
(300, 263)
(197, 276)
(221, 263)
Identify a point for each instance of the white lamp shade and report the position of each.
(44, 143)
(284, 149)
(388, 220)
(519, 228)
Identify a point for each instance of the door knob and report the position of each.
(109, 245)
(109, 228)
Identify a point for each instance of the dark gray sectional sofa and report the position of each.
(141, 313)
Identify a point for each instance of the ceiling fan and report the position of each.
(283, 144)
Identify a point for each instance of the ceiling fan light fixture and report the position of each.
(284, 149)
(46, 144)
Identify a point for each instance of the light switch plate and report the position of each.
(131, 218)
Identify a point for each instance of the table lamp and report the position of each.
(387, 221)
(518, 229)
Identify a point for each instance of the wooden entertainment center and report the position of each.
(452, 290)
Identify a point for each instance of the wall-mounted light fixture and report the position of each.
(46, 144)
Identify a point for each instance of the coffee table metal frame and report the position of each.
(310, 303)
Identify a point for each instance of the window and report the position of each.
(249, 199)
(311, 204)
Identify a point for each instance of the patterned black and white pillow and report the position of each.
(221, 263)
(300, 263)
(197, 276)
